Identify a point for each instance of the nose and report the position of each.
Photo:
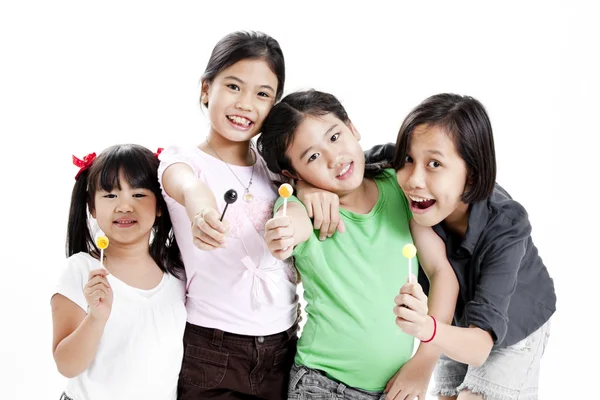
(333, 159)
(124, 205)
(245, 102)
(416, 178)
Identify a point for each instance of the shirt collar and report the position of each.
(478, 218)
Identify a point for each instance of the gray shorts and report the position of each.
(311, 384)
(509, 373)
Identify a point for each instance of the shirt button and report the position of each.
(261, 339)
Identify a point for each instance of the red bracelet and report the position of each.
(434, 330)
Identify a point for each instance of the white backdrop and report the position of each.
(77, 77)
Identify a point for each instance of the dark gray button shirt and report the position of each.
(504, 286)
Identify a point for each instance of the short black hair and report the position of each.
(467, 123)
(279, 128)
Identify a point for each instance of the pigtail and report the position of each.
(164, 248)
(79, 238)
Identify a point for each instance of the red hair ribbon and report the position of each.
(158, 151)
(83, 164)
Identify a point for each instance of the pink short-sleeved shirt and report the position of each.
(241, 288)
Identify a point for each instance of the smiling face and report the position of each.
(326, 154)
(434, 178)
(239, 99)
(125, 215)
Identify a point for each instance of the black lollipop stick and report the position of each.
(230, 197)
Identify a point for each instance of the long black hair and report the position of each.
(242, 45)
(140, 168)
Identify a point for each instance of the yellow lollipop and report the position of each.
(285, 191)
(409, 251)
(102, 243)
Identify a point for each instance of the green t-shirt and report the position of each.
(350, 281)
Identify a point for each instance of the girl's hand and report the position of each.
(208, 232)
(411, 380)
(323, 207)
(98, 295)
(411, 311)
(279, 235)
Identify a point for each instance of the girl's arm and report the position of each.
(381, 153)
(486, 313)
(443, 290)
(181, 183)
(414, 376)
(284, 233)
(76, 335)
(322, 207)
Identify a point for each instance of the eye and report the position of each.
(313, 157)
(139, 195)
(263, 94)
(434, 164)
(408, 159)
(233, 86)
(110, 196)
(335, 137)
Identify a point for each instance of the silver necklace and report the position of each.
(247, 195)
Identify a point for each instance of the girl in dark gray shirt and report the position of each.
(446, 166)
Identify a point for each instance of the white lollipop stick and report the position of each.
(409, 251)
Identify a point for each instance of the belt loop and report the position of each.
(292, 331)
(340, 389)
(217, 339)
(296, 378)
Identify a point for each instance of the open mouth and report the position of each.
(124, 223)
(241, 122)
(346, 171)
(420, 203)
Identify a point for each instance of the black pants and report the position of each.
(221, 365)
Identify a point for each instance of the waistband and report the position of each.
(218, 336)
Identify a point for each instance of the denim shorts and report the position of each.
(311, 384)
(509, 373)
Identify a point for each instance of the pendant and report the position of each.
(248, 197)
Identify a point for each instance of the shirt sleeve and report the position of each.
(381, 153)
(72, 281)
(499, 269)
(173, 155)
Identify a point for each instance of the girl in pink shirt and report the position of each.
(240, 337)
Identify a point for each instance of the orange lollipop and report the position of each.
(285, 191)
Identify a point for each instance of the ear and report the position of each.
(353, 130)
(159, 212)
(93, 213)
(290, 175)
(204, 94)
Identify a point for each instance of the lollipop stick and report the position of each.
(102, 258)
(225, 209)
(284, 206)
(409, 271)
